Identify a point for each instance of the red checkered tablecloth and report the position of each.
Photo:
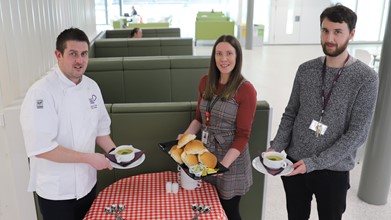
(145, 198)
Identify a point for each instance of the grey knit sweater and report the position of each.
(348, 115)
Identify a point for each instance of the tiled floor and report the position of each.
(271, 69)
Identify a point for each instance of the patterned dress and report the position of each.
(237, 181)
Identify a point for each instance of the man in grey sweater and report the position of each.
(327, 119)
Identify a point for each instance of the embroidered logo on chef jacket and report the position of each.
(39, 104)
(92, 102)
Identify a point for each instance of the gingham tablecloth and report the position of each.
(145, 198)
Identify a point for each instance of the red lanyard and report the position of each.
(325, 99)
(209, 109)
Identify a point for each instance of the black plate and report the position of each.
(166, 148)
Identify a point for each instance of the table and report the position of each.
(145, 197)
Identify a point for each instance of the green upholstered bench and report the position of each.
(147, 32)
(148, 79)
(124, 47)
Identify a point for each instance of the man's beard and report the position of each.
(339, 49)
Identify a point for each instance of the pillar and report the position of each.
(250, 24)
(376, 171)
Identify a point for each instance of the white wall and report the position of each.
(28, 31)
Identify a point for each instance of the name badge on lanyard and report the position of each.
(318, 126)
(205, 136)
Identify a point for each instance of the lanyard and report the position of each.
(209, 107)
(325, 99)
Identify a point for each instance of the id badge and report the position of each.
(204, 137)
(318, 127)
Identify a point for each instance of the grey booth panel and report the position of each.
(105, 64)
(108, 74)
(147, 85)
(116, 47)
(144, 47)
(110, 48)
(186, 72)
(257, 144)
(111, 85)
(189, 61)
(149, 79)
(149, 42)
(185, 84)
(148, 62)
(145, 131)
(147, 32)
(106, 43)
(175, 46)
(152, 107)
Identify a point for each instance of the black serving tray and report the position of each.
(166, 148)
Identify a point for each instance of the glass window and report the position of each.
(369, 20)
(372, 15)
(100, 12)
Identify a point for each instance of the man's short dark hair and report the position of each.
(70, 34)
(339, 13)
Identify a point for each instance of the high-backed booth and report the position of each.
(126, 47)
(147, 32)
(148, 79)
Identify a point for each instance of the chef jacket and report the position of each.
(55, 112)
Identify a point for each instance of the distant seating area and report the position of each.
(211, 25)
(149, 25)
(123, 23)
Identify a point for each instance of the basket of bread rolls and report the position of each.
(193, 156)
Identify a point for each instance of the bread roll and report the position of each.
(195, 147)
(189, 159)
(175, 153)
(208, 159)
(174, 147)
(185, 139)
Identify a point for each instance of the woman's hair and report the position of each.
(134, 32)
(339, 13)
(235, 78)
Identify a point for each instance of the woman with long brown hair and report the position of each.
(224, 115)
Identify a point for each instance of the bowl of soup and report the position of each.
(124, 153)
(274, 160)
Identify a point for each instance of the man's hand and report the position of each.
(299, 168)
(99, 162)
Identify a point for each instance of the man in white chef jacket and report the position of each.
(63, 116)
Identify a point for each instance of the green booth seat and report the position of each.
(147, 32)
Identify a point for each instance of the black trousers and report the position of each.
(71, 209)
(231, 208)
(330, 190)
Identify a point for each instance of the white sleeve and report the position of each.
(38, 118)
